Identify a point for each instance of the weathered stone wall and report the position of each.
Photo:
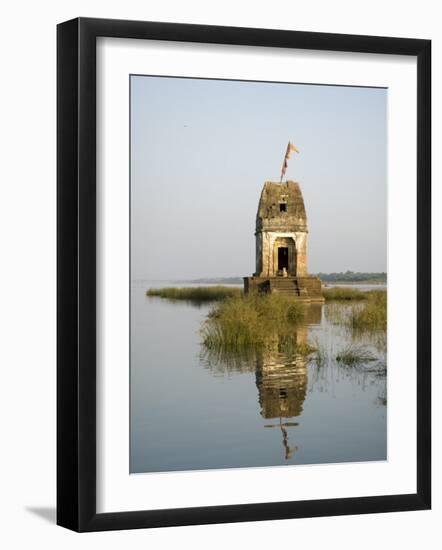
(267, 252)
(271, 218)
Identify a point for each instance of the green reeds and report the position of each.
(344, 294)
(373, 316)
(197, 294)
(354, 355)
(252, 321)
(368, 315)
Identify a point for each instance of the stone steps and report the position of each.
(304, 288)
(287, 287)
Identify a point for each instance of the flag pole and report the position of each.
(290, 149)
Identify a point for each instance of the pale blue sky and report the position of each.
(202, 149)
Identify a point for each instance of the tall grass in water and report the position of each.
(252, 321)
(321, 354)
(367, 315)
(197, 294)
(344, 294)
(354, 355)
(373, 316)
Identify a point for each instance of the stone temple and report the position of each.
(281, 245)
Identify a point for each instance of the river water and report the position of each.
(191, 410)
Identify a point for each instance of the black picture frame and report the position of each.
(76, 273)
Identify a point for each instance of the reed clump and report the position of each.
(197, 295)
(252, 321)
(354, 355)
(344, 294)
(373, 316)
(370, 314)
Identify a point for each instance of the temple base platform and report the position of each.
(306, 289)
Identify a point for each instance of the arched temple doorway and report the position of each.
(284, 256)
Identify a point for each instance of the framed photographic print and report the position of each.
(243, 274)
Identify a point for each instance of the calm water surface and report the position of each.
(191, 410)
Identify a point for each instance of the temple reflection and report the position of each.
(282, 379)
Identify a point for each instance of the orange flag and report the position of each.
(290, 148)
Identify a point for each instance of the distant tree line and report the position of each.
(347, 276)
(353, 277)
